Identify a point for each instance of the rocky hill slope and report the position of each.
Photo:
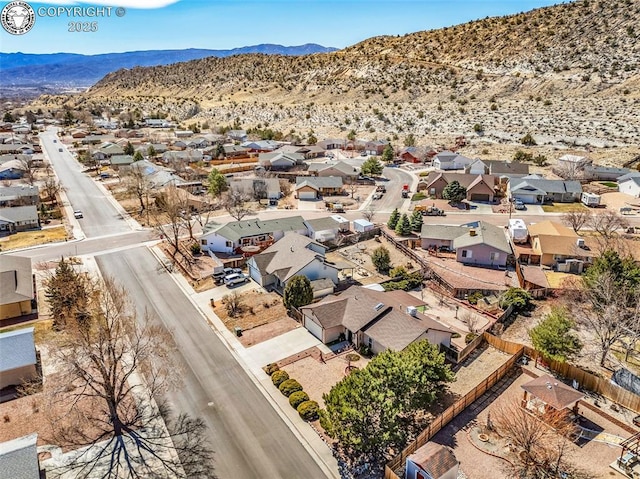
(568, 73)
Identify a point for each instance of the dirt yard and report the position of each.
(26, 239)
(262, 316)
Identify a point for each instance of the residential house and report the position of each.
(432, 461)
(448, 160)
(157, 176)
(375, 147)
(259, 188)
(630, 184)
(440, 237)
(17, 287)
(290, 256)
(237, 135)
(16, 149)
(21, 195)
(106, 151)
(479, 187)
(506, 169)
(232, 237)
(157, 123)
(93, 140)
(278, 160)
(78, 133)
(574, 162)
(413, 154)
(538, 191)
(556, 246)
(18, 218)
(308, 151)
(12, 170)
(187, 156)
(17, 357)
(120, 160)
(19, 458)
(261, 146)
(314, 187)
(235, 151)
(322, 287)
(326, 229)
(378, 320)
(332, 144)
(604, 173)
(483, 245)
(334, 168)
(477, 167)
(183, 133)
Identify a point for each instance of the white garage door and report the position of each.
(307, 195)
(313, 328)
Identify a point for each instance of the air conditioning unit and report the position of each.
(412, 311)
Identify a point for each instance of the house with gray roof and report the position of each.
(261, 145)
(20, 195)
(12, 170)
(604, 173)
(18, 218)
(258, 188)
(334, 168)
(538, 191)
(120, 160)
(106, 151)
(157, 176)
(326, 229)
(291, 256)
(232, 237)
(332, 144)
(448, 160)
(379, 320)
(308, 151)
(278, 160)
(19, 458)
(17, 287)
(314, 187)
(17, 357)
(476, 243)
(630, 184)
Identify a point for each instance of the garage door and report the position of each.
(307, 195)
(480, 197)
(313, 328)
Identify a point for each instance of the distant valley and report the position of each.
(61, 71)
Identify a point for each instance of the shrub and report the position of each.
(419, 196)
(279, 377)
(473, 298)
(309, 410)
(325, 423)
(470, 337)
(298, 398)
(271, 368)
(289, 387)
(195, 249)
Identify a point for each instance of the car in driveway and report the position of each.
(77, 214)
(234, 279)
(519, 205)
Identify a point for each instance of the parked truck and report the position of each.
(405, 191)
(429, 210)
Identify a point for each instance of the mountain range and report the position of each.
(70, 70)
(568, 73)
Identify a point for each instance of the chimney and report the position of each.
(472, 232)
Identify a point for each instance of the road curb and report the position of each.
(228, 340)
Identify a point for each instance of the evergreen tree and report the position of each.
(138, 156)
(416, 221)
(393, 219)
(403, 228)
(217, 183)
(66, 292)
(554, 337)
(388, 154)
(129, 149)
(454, 192)
(298, 292)
(381, 259)
(372, 166)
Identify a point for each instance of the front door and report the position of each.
(349, 335)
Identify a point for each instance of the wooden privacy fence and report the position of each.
(585, 379)
(449, 414)
(406, 250)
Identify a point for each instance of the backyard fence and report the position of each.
(448, 415)
(406, 250)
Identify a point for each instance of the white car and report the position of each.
(236, 278)
(77, 214)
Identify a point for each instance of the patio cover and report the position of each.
(552, 392)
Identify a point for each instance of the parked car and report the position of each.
(55, 141)
(77, 214)
(228, 271)
(519, 205)
(377, 196)
(60, 150)
(236, 278)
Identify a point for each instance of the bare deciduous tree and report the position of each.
(169, 218)
(114, 367)
(29, 167)
(235, 202)
(607, 224)
(52, 187)
(541, 443)
(369, 213)
(577, 219)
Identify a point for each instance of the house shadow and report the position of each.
(587, 431)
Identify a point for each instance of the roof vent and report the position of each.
(378, 306)
(472, 233)
(412, 311)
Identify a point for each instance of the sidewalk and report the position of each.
(251, 361)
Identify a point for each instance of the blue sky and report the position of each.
(225, 24)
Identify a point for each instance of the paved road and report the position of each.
(248, 437)
(100, 216)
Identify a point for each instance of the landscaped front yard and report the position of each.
(26, 239)
(562, 207)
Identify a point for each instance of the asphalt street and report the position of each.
(248, 437)
(100, 216)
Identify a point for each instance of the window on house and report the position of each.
(466, 253)
(370, 343)
(495, 256)
(203, 242)
(229, 244)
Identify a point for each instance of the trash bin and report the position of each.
(238, 331)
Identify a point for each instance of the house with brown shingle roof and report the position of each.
(379, 320)
(432, 461)
(479, 187)
(553, 244)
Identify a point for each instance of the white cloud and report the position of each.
(146, 4)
